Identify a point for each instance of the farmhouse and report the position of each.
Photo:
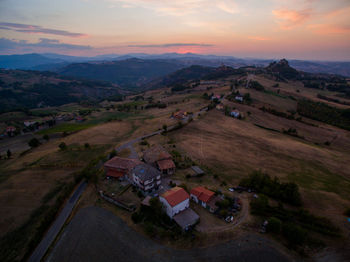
(220, 107)
(204, 197)
(179, 115)
(146, 178)
(218, 97)
(239, 98)
(10, 130)
(160, 158)
(119, 167)
(175, 200)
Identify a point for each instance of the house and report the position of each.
(204, 197)
(235, 113)
(179, 115)
(218, 97)
(239, 98)
(175, 200)
(10, 130)
(120, 168)
(197, 170)
(220, 107)
(79, 119)
(146, 178)
(160, 158)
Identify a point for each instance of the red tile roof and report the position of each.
(114, 173)
(175, 196)
(122, 163)
(165, 164)
(202, 194)
(156, 153)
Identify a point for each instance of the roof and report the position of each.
(186, 218)
(175, 196)
(145, 202)
(166, 164)
(145, 172)
(122, 163)
(197, 170)
(10, 128)
(114, 173)
(202, 193)
(156, 153)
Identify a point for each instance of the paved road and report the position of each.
(96, 234)
(45, 243)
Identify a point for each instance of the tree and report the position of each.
(9, 153)
(294, 234)
(34, 142)
(46, 137)
(87, 145)
(274, 225)
(165, 127)
(62, 146)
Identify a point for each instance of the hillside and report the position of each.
(21, 89)
(128, 73)
(27, 61)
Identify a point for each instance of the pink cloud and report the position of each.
(325, 29)
(290, 18)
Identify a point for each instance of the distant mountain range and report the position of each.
(57, 62)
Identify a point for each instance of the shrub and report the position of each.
(46, 137)
(274, 225)
(347, 212)
(87, 145)
(294, 234)
(62, 146)
(34, 142)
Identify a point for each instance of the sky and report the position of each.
(294, 29)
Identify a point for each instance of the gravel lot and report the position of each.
(96, 234)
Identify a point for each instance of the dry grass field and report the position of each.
(234, 148)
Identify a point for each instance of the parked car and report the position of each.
(231, 189)
(229, 219)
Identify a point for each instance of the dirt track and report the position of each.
(96, 234)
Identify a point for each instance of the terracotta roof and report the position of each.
(175, 196)
(156, 153)
(202, 193)
(165, 164)
(122, 163)
(114, 173)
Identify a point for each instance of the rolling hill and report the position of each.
(20, 89)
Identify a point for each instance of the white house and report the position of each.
(239, 98)
(175, 200)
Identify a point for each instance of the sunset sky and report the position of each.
(295, 29)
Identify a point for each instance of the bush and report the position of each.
(34, 142)
(286, 192)
(46, 137)
(62, 146)
(87, 145)
(136, 217)
(347, 212)
(274, 225)
(294, 234)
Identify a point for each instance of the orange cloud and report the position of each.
(324, 29)
(291, 18)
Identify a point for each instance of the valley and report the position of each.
(272, 134)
